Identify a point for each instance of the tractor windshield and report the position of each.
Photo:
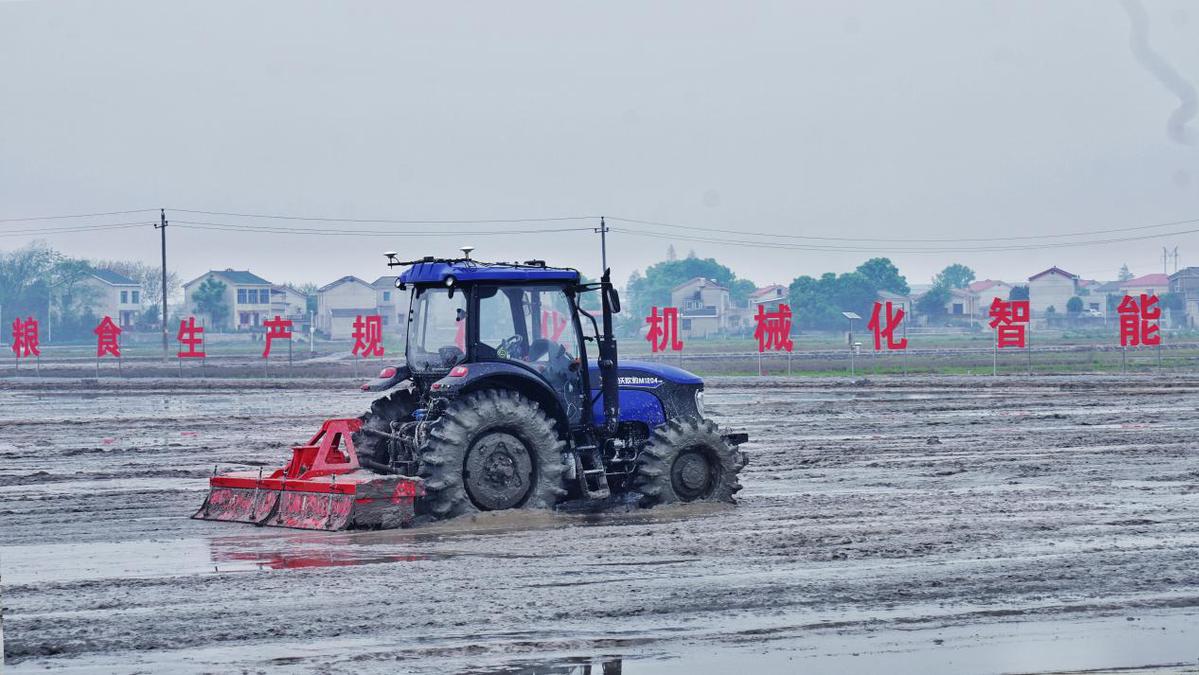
(436, 329)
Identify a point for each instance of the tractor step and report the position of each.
(591, 474)
(322, 487)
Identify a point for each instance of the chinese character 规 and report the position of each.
(368, 336)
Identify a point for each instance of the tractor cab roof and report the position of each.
(435, 271)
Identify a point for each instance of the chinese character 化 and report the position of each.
(1009, 319)
(106, 338)
(664, 330)
(190, 336)
(891, 320)
(368, 336)
(276, 329)
(1138, 321)
(773, 330)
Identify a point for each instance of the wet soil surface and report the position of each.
(931, 524)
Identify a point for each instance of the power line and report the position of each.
(75, 215)
(891, 249)
(389, 221)
(271, 229)
(71, 228)
(900, 240)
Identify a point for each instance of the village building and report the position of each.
(1051, 288)
(985, 292)
(391, 303)
(1185, 282)
(247, 295)
(114, 295)
(705, 309)
(289, 302)
(768, 297)
(339, 303)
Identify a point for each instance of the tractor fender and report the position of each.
(504, 375)
(388, 378)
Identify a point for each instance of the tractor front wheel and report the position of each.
(491, 450)
(687, 460)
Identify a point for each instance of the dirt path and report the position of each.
(938, 524)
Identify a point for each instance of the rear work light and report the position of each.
(459, 371)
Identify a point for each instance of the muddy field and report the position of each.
(915, 524)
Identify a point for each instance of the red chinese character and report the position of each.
(25, 341)
(552, 324)
(368, 336)
(892, 320)
(774, 329)
(106, 338)
(664, 330)
(189, 335)
(1009, 319)
(277, 328)
(1138, 321)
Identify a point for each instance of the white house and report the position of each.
(984, 293)
(769, 297)
(1052, 288)
(340, 302)
(114, 295)
(391, 303)
(288, 302)
(705, 308)
(247, 295)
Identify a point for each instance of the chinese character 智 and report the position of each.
(1009, 319)
(1138, 321)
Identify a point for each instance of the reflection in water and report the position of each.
(574, 666)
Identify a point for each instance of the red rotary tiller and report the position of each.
(322, 487)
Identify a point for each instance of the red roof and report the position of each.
(980, 286)
(1053, 270)
(1148, 280)
(765, 289)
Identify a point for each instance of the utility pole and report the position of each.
(603, 233)
(162, 229)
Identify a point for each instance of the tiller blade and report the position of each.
(321, 488)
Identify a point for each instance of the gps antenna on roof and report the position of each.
(466, 251)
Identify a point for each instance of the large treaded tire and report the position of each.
(671, 458)
(475, 421)
(395, 407)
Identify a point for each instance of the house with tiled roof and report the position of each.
(247, 295)
(983, 293)
(705, 308)
(114, 295)
(340, 302)
(1051, 288)
(769, 297)
(390, 302)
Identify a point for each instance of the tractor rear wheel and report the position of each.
(688, 460)
(491, 450)
(387, 413)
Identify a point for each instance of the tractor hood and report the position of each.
(647, 374)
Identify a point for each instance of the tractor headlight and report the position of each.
(699, 401)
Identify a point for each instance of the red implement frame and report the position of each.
(322, 487)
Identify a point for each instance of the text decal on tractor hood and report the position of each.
(636, 381)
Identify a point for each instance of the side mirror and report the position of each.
(614, 300)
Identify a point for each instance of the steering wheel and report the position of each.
(512, 348)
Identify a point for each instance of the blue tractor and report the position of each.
(499, 404)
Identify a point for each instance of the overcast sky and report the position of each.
(904, 120)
